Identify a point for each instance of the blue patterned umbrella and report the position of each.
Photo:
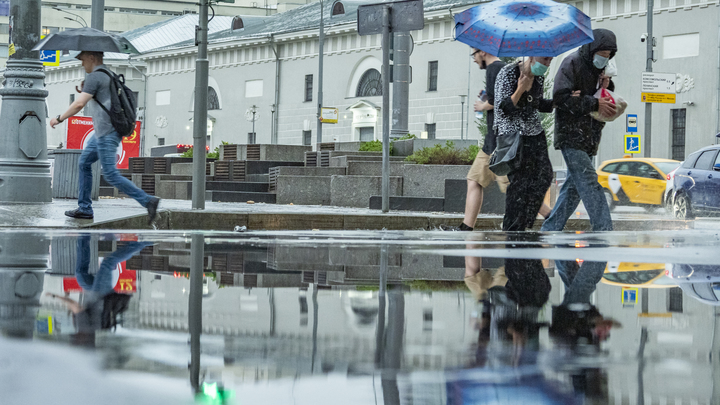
(523, 28)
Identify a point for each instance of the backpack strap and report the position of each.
(112, 77)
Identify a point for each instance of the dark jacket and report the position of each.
(574, 128)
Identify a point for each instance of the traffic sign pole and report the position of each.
(648, 68)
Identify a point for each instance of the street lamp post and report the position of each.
(321, 43)
(24, 166)
(83, 23)
(200, 117)
(463, 97)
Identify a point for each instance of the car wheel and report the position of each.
(682, 207)
(609, 199)
(668, 204)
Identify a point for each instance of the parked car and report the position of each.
(667, 198)
(641, 275)
(696, 185)
(701, 282)
(635, 181)
(560, 177)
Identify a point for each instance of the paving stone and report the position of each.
(422, 204)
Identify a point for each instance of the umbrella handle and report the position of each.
(82, 84)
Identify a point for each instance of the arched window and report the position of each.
(370, 84)
(213, 101)
(237, 23)
(338, 9)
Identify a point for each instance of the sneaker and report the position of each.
(462, 227)
(76, 213)
(152, 209)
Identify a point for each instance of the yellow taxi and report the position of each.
(635, 181)
(641, 275)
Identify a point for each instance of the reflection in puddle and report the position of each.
(359, 317)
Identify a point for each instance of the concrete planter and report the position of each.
(407, 147)
(429, 180)
(282, 153)
(355, 191)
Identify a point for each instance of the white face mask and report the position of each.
(600, 61)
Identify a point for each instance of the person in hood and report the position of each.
(577, 134)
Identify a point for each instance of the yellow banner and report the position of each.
(658, 98)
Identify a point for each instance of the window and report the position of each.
(432, 75)
(338, 9)
(705, 160)
(370, 84)
(213, 102)
(647, 171)
(253, 88)
(72, 98)
(690, 161)
(251, 138)
(367, 134)
(611, 168)
(4, 29)
(308, 87)
(624, 168)
(237, 23)
(675, 300)
(161, 141)
(678, 134)
(717, 161)
(430, 129)
(307, 138)
(427, 320)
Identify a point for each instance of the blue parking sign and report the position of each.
(50, 58)
(632, 143)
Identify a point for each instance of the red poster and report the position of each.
(80, 130)
(126, 281)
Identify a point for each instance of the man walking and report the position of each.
(480, 175)
(103, 144)
(577, 134)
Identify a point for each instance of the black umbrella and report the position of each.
(85, 39)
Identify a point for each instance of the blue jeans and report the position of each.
(581, 184)
(102, 281)
(104, 148)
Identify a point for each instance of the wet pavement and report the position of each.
(359, 317)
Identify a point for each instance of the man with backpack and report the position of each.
(113, 111)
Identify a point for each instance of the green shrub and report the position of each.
(374, 146)
(446, 154)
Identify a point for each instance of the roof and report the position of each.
(172, 31)
(308, 17)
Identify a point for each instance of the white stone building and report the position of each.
(273, 63)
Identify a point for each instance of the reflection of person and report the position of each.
(100, 305)
(577, 134)
(575, 320)
(519, 95)
(103, 145)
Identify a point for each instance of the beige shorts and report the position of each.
(484, 280)
(480, 173)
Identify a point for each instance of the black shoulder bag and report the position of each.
(506, 156)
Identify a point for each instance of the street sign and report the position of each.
(632, 143)
(629, 295)
(50, 58)
(405, 16)
(658, 87)
(658, 98)
(329, 115)
(658, 83)
(631, 123)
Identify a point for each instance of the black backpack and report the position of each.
(122, 104)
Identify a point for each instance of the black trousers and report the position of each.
(528, 184)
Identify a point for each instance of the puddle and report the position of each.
(358, 317)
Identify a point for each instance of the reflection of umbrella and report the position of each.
(523, 28)
(85, 39)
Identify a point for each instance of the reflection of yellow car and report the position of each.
(643, 275)
(635, 181)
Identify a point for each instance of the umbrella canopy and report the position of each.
(85, 39)
(523, 28)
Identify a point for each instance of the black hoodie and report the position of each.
(574, 128)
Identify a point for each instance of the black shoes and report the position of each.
(462, 227)
(76, 213)
(151, 208)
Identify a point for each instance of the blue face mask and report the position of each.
(538, 69)
(600, 61)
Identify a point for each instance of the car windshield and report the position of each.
(667, 167)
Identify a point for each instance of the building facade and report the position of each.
(275, 70)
